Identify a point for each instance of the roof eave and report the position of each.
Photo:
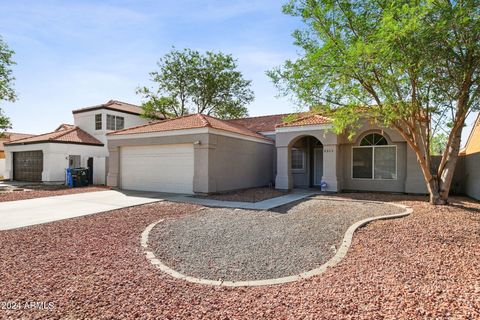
(54, 141)
(106, 108)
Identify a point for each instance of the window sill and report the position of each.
(299, 171)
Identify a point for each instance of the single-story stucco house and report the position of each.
(202, 154)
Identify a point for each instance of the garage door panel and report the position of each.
(158, 168)
(28, 166)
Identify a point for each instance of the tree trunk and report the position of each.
(433, 190)
(446, 172)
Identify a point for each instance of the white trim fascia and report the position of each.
(304, 128)
(158, 134)
(267, 133)
(181, 132)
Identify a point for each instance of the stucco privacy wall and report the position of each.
(472, 175)
(55, 159)
(2, 167)
(221, 163)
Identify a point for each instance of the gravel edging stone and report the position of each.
(339, 255)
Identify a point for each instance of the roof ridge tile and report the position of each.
(205, 120)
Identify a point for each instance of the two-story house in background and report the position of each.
(44, 157)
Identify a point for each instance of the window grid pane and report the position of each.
(373, 139)
(98, 122)
(385, 163)
(119, 123)
(110, 122)
(297, 159)
(362, 166)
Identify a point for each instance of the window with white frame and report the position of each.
(298, 159)
(115, 122)
(98, 122)
(374, 159)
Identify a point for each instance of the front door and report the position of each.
(90, 170)
(317, 166)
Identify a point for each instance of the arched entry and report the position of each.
(319, 166)
(306, 162)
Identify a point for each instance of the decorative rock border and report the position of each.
(340, 254)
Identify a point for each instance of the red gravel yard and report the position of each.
(45, 191)
(426, 265)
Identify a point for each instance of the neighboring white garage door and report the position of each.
(161, 168)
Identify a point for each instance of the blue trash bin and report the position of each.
(69, 178)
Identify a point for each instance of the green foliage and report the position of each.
(290, 117)
(188, 81)
(438, 144)
(413, 65)
(405, 57)
(6, 82)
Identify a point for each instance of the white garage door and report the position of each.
(161, 168)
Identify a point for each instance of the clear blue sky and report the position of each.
(73, 54)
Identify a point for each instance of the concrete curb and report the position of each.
(267, 204)
(340, 254)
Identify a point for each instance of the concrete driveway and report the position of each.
(22, 213)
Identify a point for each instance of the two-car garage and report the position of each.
(194, 154)
(161, 168)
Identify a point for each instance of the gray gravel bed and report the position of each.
(238, 245)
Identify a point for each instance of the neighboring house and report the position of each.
(45, 157)
(202, 154)
(469, 164)
(8, 137)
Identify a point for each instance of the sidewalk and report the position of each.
(295, 195)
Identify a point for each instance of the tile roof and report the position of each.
(190, 122)
(113, 105)
(73, 135)
(12, 136)
(312, 119)
(260, 123)
(64, 126)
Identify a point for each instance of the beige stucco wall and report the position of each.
(238, 164)
(286, 138)
(337, 166)
(471, 175)
(221, 163)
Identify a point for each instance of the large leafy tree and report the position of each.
(7, 93)
(188, 81)
(415, 64)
